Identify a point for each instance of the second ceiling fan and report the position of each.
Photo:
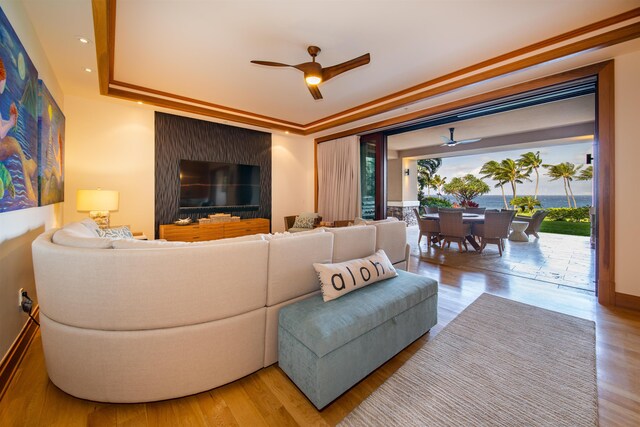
(314, 73)
(450, 142)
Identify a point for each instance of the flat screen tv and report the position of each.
(213, 184)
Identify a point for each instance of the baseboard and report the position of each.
(627, 301)
(11, 362)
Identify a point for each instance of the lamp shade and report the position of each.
(97, 200)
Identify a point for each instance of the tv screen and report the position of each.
(212, 184)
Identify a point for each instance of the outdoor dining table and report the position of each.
(467, 218)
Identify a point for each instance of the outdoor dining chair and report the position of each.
(429, 228)
(453, 229)
(478, 211)
(494, 230)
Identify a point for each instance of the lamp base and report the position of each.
(100, 217)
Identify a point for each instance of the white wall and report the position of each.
(394, 180)
(19, 228)
(292, 178)
(110, 144)
(627, 172)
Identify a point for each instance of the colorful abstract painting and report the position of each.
(50, 148)
(18, 123)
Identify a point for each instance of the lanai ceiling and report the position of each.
(560, 122)
(201, 49)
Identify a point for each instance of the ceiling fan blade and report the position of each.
(450, 144)
(315, 92)
(446, 140)
(468, 141)
(306, 67)
(334, 70)
(271, 64)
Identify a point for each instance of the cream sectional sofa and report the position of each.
(130, 321)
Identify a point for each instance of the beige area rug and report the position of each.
(499, 363)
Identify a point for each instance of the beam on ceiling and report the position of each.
(105, 24)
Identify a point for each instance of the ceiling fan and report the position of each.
(450, 142)
(314, 73)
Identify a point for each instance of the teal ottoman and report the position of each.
(327, 347)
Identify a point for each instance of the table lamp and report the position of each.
(98, 203)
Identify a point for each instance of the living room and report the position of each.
(111, 143)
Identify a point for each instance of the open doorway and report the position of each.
(428, 163)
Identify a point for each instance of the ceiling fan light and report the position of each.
(312, 79)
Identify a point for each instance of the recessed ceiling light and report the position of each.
(88, 70)
(286, 132)
(83, 40)
(139, 102)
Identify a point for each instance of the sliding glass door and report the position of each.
(373, 175)
(368, 179)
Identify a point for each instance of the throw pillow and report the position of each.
(339, 279)
(309, 215)
(116, 232)
(91, 226)
(303, 222)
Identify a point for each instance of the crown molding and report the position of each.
(598, 35)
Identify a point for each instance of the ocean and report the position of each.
(555, 201)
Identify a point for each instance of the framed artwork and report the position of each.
(50, 148)
(18, 123)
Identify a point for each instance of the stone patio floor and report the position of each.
(566, 261)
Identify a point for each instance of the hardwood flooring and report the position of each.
(267, 397)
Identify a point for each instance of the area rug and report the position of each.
(499, 363)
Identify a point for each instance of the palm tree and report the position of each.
(426, 169)
(567, 171)
(437, 182)
(492, 170)
(513, 173)
(531, 162)
(586, 174)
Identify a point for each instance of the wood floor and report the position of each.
(267, 397)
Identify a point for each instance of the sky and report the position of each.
(574, 153)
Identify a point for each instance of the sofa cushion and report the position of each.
(298, 233)
(193, 284)
(298, 229)
(151, 244)
(291, 261)
(391, 236)
(159, 244)
(324, 326)
(339, 279)
(77, 235)
(353, 242)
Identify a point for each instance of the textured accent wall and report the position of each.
(185, 138)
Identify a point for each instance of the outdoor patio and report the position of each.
(563, 260)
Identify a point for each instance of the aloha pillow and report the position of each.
(116, 232)
(341, 278)
(304, 222)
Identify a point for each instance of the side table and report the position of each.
(518, 234)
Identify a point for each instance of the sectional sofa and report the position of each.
(132, 321)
